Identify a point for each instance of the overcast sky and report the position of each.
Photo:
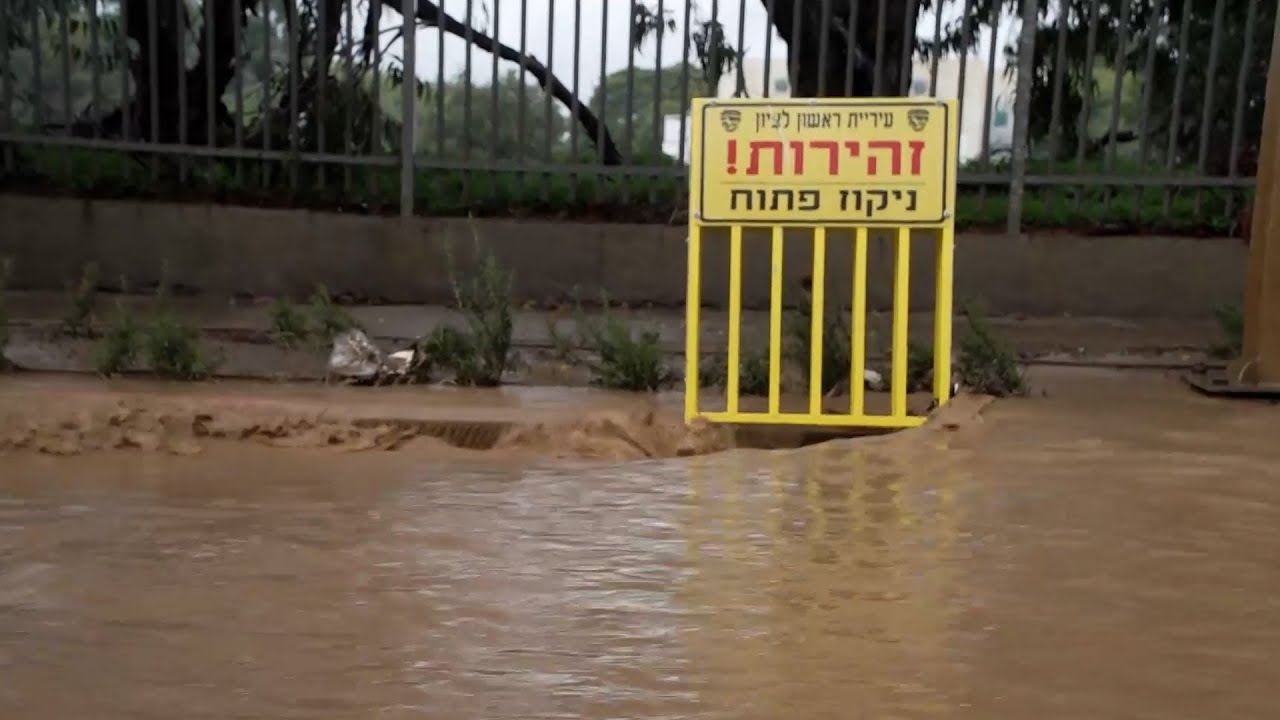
(603, 36)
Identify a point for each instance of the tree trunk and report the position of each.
(826, 62)
(155, 113)
(431, 15)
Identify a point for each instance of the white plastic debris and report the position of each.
(873, 380)
(355, 356)
(398, 362)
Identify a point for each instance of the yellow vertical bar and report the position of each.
(775, 324)
(819, 306)
(735, 317)
(858, 371)
(942, 312)
(693, 315)
(901, 310)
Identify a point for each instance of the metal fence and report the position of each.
(1112, 114)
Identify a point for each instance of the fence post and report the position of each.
(1021, 113)
(1259, 363)
(408, 103)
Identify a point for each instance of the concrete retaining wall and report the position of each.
(227, 250)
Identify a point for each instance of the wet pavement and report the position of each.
(1107, 551)
(532, 326)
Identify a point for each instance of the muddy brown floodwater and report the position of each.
(1108, 552)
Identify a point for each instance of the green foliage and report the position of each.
(320, 320)
(164, 341)
(518, 120)
(328, 319)
(290, 324)
(172, 347)
(480, 352)
(635, 196)
(118, 348)
(624, 359)
(986, 363)
(836, 343)
(1203, 23)
(82, 299)
(753, 373)
(449, 348)
(1231, 323)
(636, 134)
(919, 367)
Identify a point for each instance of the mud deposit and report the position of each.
(154, 425)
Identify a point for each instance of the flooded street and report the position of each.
(1106, 552)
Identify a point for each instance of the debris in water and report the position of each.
(355, 357)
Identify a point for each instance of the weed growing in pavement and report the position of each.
(624, 359)
(479, 353)
(753, 373)
(82, 300)
(985, 362)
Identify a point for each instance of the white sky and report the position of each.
(606, 38)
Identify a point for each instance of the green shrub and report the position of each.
(836, 344)
(635, 195)
(82, 300)
(328, 319)
(753, 373)
(480, 352)
(118, 348)
(172, 347)
(290, 324)
(625, 360)
(919, 367)
(986, 363)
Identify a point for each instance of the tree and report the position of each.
(173, 100)
(1208, 49)
(665, 91)
(832, 45)
(485, 132)
(1168, 43)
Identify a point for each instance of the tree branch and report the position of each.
(430, 15)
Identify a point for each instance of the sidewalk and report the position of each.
(1171, 340)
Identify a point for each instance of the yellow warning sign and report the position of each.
(883, 161)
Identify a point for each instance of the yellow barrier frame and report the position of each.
(857, 416)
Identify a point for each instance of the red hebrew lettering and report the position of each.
(758, 146)
(917, 150)
(797, 156)
(895, 159)
(853, 147)
(833, 154)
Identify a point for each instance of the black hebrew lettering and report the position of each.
(864, 118)
(818, 120)
(773, 120)
(870, 203)
(781, 199)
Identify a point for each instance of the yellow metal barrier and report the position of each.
(856, 166)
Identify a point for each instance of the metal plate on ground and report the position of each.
(1217, 383)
